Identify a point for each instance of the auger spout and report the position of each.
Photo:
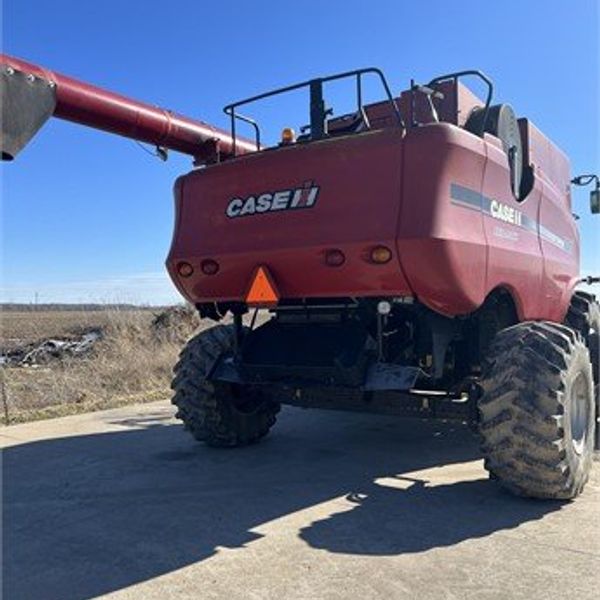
(31, 94)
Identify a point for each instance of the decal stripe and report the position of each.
(471, 199)
(466, 197)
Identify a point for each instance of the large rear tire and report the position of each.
(537, 411)
(220, 415)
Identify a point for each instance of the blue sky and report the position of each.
(87, 216)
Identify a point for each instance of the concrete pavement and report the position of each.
(123, 504)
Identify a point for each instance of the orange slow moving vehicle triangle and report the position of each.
(263, 291)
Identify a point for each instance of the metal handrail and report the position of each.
(230, 109)
(476, 73)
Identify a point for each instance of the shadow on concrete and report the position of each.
(390, 521)
(84, 516)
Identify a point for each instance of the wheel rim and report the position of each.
(580, 412)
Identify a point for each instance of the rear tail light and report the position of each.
(209, 267)
(334, 258)
(380, 255)
(184, 269)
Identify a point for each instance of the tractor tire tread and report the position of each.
(522, 410)
(206, 411)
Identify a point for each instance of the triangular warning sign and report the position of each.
(263, 291)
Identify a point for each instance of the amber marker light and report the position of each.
(380, 255)
(288, 135)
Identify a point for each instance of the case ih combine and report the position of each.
(418, 256)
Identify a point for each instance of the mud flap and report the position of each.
(27, 103)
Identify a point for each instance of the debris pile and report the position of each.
(48, 350)
(176, 323)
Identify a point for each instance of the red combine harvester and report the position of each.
(418, 257)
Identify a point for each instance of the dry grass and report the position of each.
(132, 363)
(31, 326)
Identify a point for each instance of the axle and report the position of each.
(31, 94)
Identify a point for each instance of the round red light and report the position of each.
(185, 269)
(209, 266)
(334, 258)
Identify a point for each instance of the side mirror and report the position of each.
(594, 194)
(595, 201)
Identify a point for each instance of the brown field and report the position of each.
(132, 363)
(31, 326)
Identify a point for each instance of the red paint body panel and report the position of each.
(380, 188)
(357, 208)
(514, 258)
(442, 246)
(560, 272)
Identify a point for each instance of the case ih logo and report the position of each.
(291, 199)
(506, 213)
